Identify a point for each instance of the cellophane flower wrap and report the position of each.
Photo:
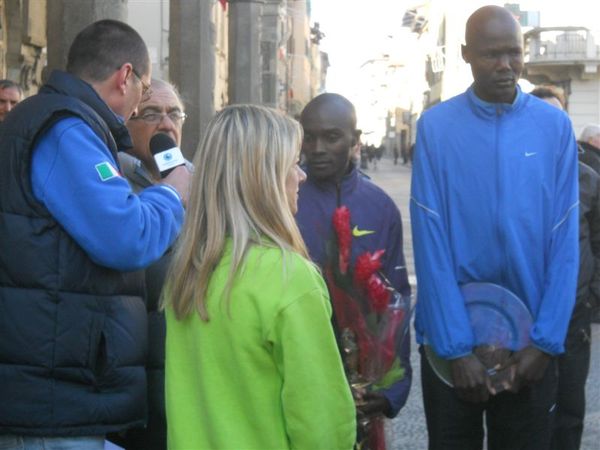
(371, 316)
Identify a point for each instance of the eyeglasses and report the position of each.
(145, 87)
(154, 118)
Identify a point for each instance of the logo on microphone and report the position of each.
(167, 156)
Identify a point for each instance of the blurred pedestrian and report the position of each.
(494, 199)
(160, 112)
(73, 325)
(357, 149)
(10, 94)
(574, 364)
(251, 359)
(329, 122)
(589, 146)
(589, 154)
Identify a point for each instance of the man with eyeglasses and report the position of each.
(73, 238)
(161, 111)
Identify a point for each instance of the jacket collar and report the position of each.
(587, 147)
(487, 109)
(64, 83)
(134, 170)
(346, 187)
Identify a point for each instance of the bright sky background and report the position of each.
(360, 31)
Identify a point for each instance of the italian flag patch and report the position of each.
(106, 171)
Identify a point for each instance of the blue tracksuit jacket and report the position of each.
(377, 224)
(495, 199)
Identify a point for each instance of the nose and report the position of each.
(301, 175)
(319, 146)
(503, 62)
(167, 124)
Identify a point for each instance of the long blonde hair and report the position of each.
(238, 192)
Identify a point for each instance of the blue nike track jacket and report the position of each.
(494, 199)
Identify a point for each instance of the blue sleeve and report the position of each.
(397, 393)
(74, 175)
(552, 320)
(441, 310)
(395, 270)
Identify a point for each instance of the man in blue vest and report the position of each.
(73, 324)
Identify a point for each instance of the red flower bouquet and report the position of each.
(371, 316)
(372, 319)
(341, 225)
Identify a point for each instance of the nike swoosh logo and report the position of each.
(358, 233)
(530, 154)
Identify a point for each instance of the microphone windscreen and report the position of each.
(166, 153)
(161, 142)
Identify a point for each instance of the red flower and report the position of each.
(378, 294)
(360, 296)
(341, 225)
(365, 266)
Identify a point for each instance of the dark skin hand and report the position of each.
(470, 379)
(528, 367)
(494, 359)
(372, 404)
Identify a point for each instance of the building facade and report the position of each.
(23, 42)
(567, 57)
(216, 52)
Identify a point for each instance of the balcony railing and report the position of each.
(560, 45)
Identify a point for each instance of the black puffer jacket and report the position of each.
(72, 333)
(588, 283)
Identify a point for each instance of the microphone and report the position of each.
(166, 153)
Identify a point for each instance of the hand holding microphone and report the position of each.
(171, 164)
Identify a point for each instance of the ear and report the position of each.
(121, 76)
(355, 137)
(464, 50)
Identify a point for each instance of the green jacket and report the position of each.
(265, 373)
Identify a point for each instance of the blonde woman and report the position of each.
(251, 359)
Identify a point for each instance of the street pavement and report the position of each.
(408, 430)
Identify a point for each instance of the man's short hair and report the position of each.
(9, 84)
(589, 131)
(103, 47)
(549, 91)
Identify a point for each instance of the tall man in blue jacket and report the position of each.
(330, 135)
(73, 325)
(494, 199)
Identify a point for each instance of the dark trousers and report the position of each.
(573, 369)
(521, 421)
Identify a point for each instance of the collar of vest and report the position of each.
(64, 83)
(346, 187)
